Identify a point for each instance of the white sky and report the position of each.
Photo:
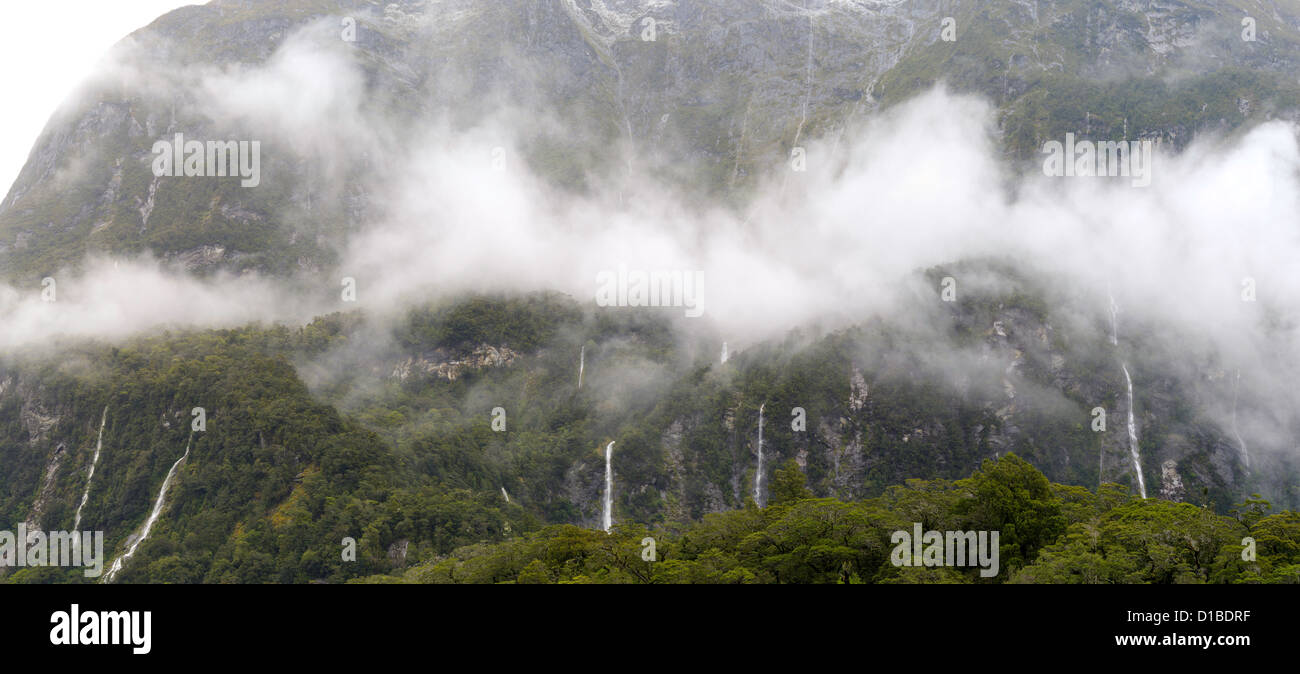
(47, 50)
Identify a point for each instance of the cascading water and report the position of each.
(582, 363)
(1245, 453)
(148, 523)
(758, 475)
(503, 493)
(1133, 436)
(1114, 328)
(1134, 453)
(99, 444)
(607, 518)
(724, 352)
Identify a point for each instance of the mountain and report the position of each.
(458, 430)
(725, 89)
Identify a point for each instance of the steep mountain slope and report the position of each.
(724, 91)
(273, 483)
(425, 426)
(276, 480)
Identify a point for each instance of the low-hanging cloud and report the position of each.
(918, 185)
(114, 300)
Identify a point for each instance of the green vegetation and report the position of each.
(1050, 533)
(331, 431)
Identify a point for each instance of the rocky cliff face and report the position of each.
(878, 405)
(707, 95)
(441, 363)
(39, 449)
(1016, 374)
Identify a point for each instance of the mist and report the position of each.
(914, 186)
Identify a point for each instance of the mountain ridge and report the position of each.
(442, 428)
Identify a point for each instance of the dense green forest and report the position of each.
(465, 436)
(1050, 533)
(388, 435)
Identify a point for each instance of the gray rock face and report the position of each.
(704, 95)
(444, 365)
(707, 95)
(1171, 483)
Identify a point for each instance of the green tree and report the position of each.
(1010, 496)
(789, 484)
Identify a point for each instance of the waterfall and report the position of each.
(148, 523)
(1133, 435)
(1114, 329)
(99, 444)
(503, 493)
(1245, 453)
(758, 476)
(1132, 419)
(607, 519)
(1114, 340)
(724, 352)
(582, 363)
